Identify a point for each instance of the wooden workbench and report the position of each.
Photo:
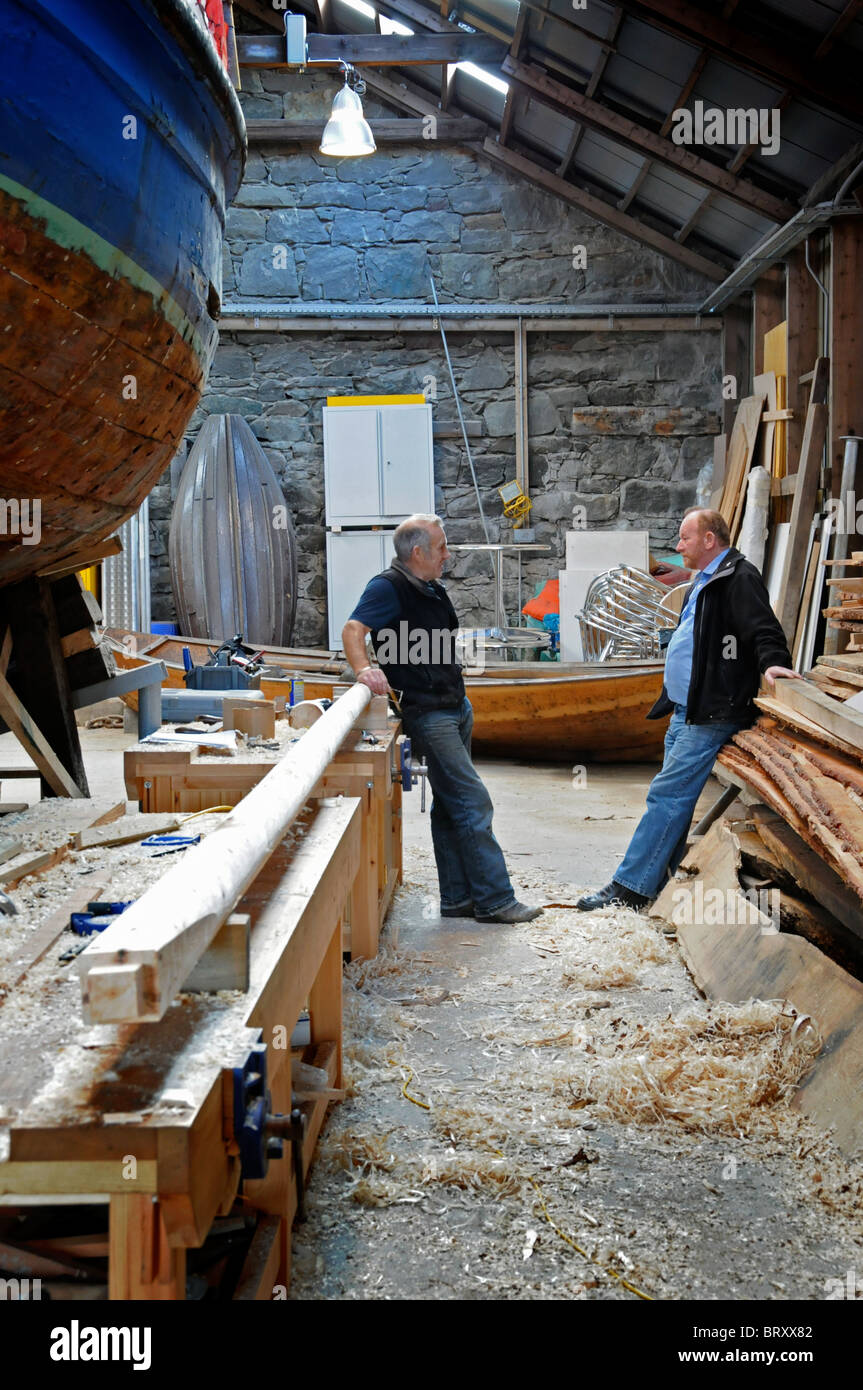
(141, 1115)
(173, 779)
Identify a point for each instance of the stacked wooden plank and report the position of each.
(846, 615)
(804, 760)
(741, 454)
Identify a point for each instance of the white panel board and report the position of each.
(353, 558)
(574, 585)
(776, 560)
(602, 550)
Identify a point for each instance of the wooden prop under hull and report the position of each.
(543, 710)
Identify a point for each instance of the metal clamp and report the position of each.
(261, 1134)
(410, 772)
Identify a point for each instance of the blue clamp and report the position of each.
(97, 917)
(405, 764)
(251, 1107)
(260, 1135)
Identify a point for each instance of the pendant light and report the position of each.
(347, 133)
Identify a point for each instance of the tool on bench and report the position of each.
(98, 916)
(259, 1134)
(410, 772)
(168, 844)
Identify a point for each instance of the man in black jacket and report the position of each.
(727, 639)
(413, 627)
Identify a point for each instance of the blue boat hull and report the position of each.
(121, 145)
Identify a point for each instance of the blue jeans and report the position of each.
(470, 862)
(659, 842)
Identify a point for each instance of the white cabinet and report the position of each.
(378, 463)
(353, 558)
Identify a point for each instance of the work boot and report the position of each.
(614, 894)
(516, 912)
(465, 910)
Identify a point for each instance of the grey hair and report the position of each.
(414, 530)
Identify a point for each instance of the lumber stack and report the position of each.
(845, 611)
(814, 788)
(796, 547)
(804, 760)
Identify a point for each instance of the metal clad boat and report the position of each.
(232, 545)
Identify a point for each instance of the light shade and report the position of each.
(347, 132)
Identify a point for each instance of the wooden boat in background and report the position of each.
(551, 711)
(537, 710)
(232, 546)
(121, 144)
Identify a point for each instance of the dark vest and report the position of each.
(416, 651)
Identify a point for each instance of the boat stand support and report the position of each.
(37, 702)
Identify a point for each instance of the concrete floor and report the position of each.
(545, 818)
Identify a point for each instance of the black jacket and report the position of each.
(736, 636)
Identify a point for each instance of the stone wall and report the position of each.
(619, 423)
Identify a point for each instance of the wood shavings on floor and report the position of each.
(581, 1104)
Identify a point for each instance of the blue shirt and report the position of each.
(678, 656)
(379, 604)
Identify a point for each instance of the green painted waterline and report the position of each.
(72, 235)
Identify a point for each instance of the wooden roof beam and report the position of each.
(590, 90)
(627, 132)
(682, 98)
(362, 50)
(602, 211)
(837, 29)
(834, 85)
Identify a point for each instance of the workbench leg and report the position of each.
(141, 1263)
(325, 1000)
(365, 924)
(149, 709)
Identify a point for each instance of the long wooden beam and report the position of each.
(835, 85)
(590, 90)
(398, 131)
(636, 137)
(840, 24)
(134, 968)
(376, 50)
(602, 211)
(681, 99)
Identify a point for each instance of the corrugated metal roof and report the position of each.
(636, 69)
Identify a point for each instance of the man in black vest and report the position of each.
(413, 627)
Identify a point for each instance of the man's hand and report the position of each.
(780, 672)
(374, 679)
